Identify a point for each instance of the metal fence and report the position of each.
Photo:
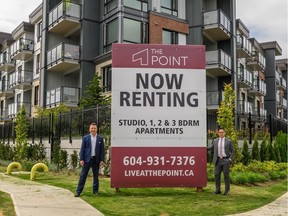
(70, 124)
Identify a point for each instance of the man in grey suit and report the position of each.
(223, 151)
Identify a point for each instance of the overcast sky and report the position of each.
(266, 19)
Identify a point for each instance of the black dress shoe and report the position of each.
(225, 193)
(76, 195)
(96, 194)
(217, 192)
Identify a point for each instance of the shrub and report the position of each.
(74, 160)
(245, 153)
(255, 149)
(263, 149)
(282, 142)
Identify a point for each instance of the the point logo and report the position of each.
(158, 58)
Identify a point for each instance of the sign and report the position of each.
(158, 116)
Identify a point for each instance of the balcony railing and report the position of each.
(63, 95)
(4, 114)
(22, 49)
(284, 103)
(245, 107)
(244, 47)
(258, 88)
(258, 114)
(64, 57)
(6, 63)
(218, 63)
(256, 62)
(5, 91)
(14, 108)
(214, 99)
(65, 17)
(283, 83)
(21, 79)
(245, 78)
(217, 25)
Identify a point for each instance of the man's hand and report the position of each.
(101, 163)
(81, 163)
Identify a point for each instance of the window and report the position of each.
(169, 37)
(169, 7)
(107, 78)
(137, 4)
(135, 31)
(39, 31)
(111, 34)
(38, 64)
(110, 5)
(36, 95)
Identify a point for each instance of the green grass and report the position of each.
(167, 201)
(6, 205)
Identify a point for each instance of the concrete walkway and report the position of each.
(34, 199)
(27, 195)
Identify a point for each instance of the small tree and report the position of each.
(270, 155)
(282, 143)
(225, 118)
(245, 153)
(263, 149)
(21, 129)
(255, 149)
(94, 94)
(277, 152)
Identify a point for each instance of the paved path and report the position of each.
(55, 201)
(27, 195)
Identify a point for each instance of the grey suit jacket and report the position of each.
(228, 147)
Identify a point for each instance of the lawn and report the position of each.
(166, 201)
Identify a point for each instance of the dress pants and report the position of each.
(222, 165)
(85, 169)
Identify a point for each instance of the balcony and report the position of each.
(218, 63)
(281, 84)
(14, 108)
(64, 19)
(245, 78)
(63, 58)
(6, 63)
(258, 88)
(256, 62)
(258, 114)
(217, 26)
(5, 91)
(244, 107)
(4, 115)
(214, 99)
(22, 49)
(68, 96)
(21, 80)
(284, 103)
(244, 47)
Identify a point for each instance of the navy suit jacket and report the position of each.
(85, 151)
(228, 148)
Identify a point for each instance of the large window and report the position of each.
(137, 4)
(38, 64)
(135, 31)
(111, 34)
(169, 37)
(39, 31)
(36, 95)
(110, 5)
(169, 7)
(107, 78)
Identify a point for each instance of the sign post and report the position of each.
(158, 116)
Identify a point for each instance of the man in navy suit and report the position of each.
(223, 152)
(91, 155)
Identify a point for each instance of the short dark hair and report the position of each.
(93, 123)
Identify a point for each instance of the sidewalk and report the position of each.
(60, 202)
(27, 195)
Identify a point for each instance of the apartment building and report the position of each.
(72, 40)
